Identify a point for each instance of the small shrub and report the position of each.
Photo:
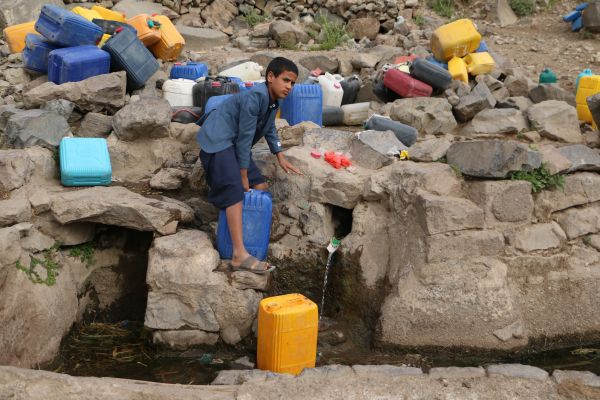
(418, 20)
(253, 18)
(48, 263)
(522, 7)
(444, 8)
(334, 34)
(540, 179)
(85, 252)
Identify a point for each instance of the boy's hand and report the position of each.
(286, 165)
(245, 183)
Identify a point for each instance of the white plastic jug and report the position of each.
(248, 71)
(178, 92)
(332, 90)
(355, 114)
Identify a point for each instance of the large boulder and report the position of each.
(492, 158)
(36, 128)
(363, 27)
(552, 91)
(132, 8)
(201, 38)
(148, 118)
(375, 149)
(499, 121)
(477, 100)
(219, 13)
(92, 94)
(186, 294)
(121, 207)
(287, 34)
(428, 115)
(325, 63)
(555, 120)
(18, 12)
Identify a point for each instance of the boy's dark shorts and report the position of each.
(222, 172)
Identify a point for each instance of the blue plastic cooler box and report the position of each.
(35, 54)
(189, 70)
(304, 103)
(128, 54)
(73, 64)
(256, 226)
(84, 162)
(66, 28)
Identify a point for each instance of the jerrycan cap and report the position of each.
(337, 85)
(215, 84)
(119, 29)
(248, 84)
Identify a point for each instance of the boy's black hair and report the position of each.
(279, 65)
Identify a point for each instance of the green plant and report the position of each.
(522, 7)
(289, 45)
(444, 8)
(418, 20)
(48, 263)
(253, 18)
(456, 171)
(334, 34)
(540, 179)
(587, 239)
(85, 252)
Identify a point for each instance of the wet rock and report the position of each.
(118, 206)
(516, 371)
(186, 291)
(375, 149)
(438, 214)
(499, 122)
(16, 168)
(537, 237)
(168, 179)
(13, 211)
(363, 27)
(582, 158)
(428, 115)
(545, 92)
(479, 99)
(492, 158)
(148, 118)
(502, 201)
(185, 338)
(92, 94)
(287, 34)
(577, 222)
(519, 102)
(429, 150)
(326, 64)
(95, 125)
(555, 120)
(36, 128)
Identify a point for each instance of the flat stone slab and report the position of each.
(457, 372)
(516, 371)
(131, 8)
(201, 38)
(385, 370)
(585, 377)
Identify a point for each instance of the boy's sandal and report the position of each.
(259, 266)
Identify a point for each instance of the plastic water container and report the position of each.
(73, 64)
(128, 54)
(430, 73)
(456, 39)
(355, 114)
(186, 115)
(577, 25)
(288, 327)
(105, 13)
(351, 87)
(303, 103)
(458, 69)
(84, 162)
(188, 70)
(479, 63)
(585, 72)
(35, 54)
(482, 47)
(438, 63)
(404, 133)
(247, 86)
(109, 26)
(178, 92)
(147, 30)
(15, 35)
(588, 86)
(383, 93)
(547, 76)
(215, 101)
(210, 87)
(333, 116)
(256, 226)
(405, 85)
(332, 90)
(171, 42)
(248, 71)
(572, 16)
(66, 28)
(86, 13)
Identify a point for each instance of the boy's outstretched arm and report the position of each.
(286, 165)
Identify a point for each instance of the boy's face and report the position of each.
(280, 86)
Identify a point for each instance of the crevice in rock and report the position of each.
(342, 221)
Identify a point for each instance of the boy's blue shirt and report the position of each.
(241, 121)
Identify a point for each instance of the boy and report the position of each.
(226, 139)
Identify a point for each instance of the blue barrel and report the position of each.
(256, 226)
(577, 24)
(304, 103)
(189, 70)
(215, 101)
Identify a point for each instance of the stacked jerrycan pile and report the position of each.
(74, 45)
